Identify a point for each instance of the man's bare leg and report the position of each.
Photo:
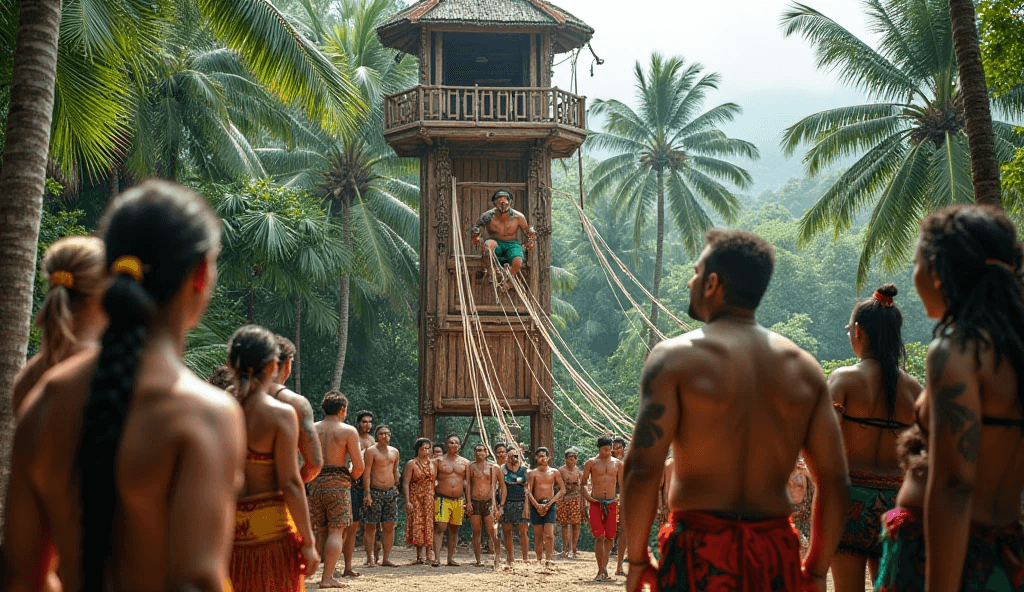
(370, 542)
(333, 544)
(566, 528)
(508, 542)
(475, 521)
(602, 548)
(387, 544)
(350, 548)
(439, 528)
(549, 543)
(848, 572)
(453, 541)
(492, 537)
(575, 538)
(538, 542)
(321, 540)
(622, 552)
(524, 543)
(517, 264)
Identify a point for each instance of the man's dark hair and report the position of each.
(286, 347)
(452, 435)
(619, 440)
(498, 445)
(333, 402)
(501, 193)
(542, 449)
(604, 441)
(480, 445)
(744, 263)
(437, 445)
(222, 377)
(363, 413)
(382, 426)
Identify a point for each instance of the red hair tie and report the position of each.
(885, 300)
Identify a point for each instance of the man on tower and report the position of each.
(502, 224)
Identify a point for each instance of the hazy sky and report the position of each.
(772, 77)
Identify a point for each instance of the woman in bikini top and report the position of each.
(970, 417)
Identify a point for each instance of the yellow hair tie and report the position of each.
(128, 265)
(62, 278)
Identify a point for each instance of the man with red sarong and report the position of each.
(737, 404)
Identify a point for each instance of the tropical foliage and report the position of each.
(910, 148)
(668, 154)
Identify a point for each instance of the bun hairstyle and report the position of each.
(75, 269)
(975, 253)
(250, 349)
(154, 234)
(882, 322)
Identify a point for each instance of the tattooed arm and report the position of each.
(656, 425)
(309, 444)
(954, 411)
(484, 220)
(826, 461)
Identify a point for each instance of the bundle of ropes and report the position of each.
(606, 417)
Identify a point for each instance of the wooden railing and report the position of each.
(484, 104)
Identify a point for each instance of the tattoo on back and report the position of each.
(647, 432)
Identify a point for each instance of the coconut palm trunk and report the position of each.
(343, 289)
(21, 184)
(659, 252)
(977, 116)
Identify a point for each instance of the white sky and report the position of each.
(773, 78)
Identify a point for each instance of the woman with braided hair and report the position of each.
(127, 464)
(274, 544)
(72, 316)
(875, 400)
(957, 524)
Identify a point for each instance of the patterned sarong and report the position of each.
(993, 562)
(871, 497)
(568, 508)
(265, 556)
(419, 525)
(703, 552)
(330, 502)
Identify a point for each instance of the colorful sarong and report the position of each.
(419, 525)
(330, 502)
(265, 556)
(871, 497)
(701, 551)
(449, 510)
(993, 562)
(568, 508)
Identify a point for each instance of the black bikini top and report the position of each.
(871, 422)
(986, 420)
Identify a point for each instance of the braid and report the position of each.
(985, 301)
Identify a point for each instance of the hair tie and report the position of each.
(62, 278)
(992, 261)
(885, 300)
(128, 265)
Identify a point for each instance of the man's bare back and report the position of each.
(339, 442)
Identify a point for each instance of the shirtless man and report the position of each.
(543, 499)
(484, 479)
(312, 458)
(502, 224)
(451, 496)
(604, 475)
(619, 452)
(500, 455)
(740, 403)
(436, 452)
(380, 493)
(569, 510)
(364, 425)
(330, 503)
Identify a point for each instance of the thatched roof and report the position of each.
(402, 31)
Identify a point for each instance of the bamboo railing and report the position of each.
(484, 104)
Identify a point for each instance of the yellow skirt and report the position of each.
(265, 556)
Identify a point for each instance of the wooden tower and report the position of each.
(485, 117)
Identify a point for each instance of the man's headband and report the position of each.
(501, 193)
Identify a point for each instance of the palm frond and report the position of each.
(951, 173)
(813, 127)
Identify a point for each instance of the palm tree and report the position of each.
(977, 117)
(913, 154)
(371, 190)
(21, 183)
(670, 152)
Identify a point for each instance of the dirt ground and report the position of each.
(566, 576)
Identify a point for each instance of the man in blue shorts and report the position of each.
(541, 485)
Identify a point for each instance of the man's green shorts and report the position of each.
(506, 251)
